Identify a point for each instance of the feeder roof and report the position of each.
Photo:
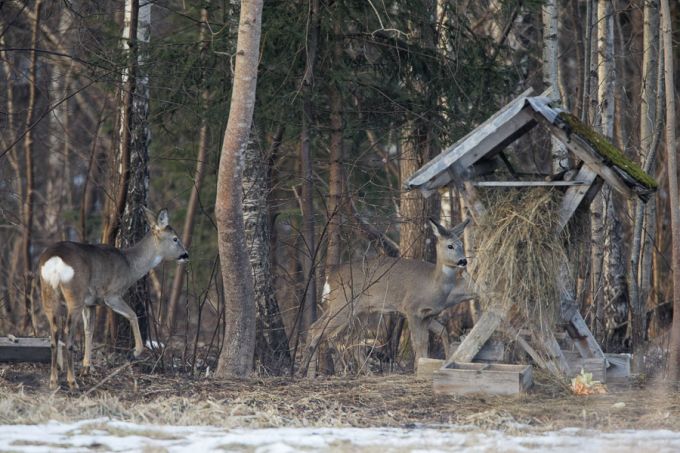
(515, 120)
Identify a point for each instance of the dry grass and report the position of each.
(520, 256)
(388, 401)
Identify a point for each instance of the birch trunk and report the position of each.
(236, 357)
(271, 349)
(560, 157)
(133, 225)
(669, 77)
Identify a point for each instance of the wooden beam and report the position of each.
(498, 131)
(575, 195)
(529, 183)
(583, 151)
(478, 336)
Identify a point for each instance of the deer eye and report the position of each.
(175, 239)
(450, 246)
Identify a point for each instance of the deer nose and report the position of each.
(183, 257)
(462, 263)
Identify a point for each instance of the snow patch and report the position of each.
(55, 271)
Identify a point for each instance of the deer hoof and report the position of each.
(53, 384)
(138, 352)
(73, 386)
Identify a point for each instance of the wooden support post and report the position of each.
(575, 195)
(480, 333)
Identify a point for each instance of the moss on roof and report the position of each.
(608, 151)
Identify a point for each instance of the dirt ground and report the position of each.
(131, 393)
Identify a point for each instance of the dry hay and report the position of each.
(521, 259)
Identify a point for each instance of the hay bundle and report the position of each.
(521, 259)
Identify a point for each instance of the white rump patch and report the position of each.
(55, 271)
(326, 292)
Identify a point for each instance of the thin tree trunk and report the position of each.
(336, 176)
(669, 77)
(29, 169)
(308, 264)
(648, 105)
(236, 357)
(199, 172)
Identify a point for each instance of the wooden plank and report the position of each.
(468, 192)
(583, 337)
(497, 379)
(528, 183)
(595, 365)
(25, 349)
(583, 151)
(575, 195)
(496, 130)
(426, 367)
(492, 351)
(480, 333)
(619, 369)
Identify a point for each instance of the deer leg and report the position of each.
(70, 326)
(419, 337)
(439, 329)
(88, 326)
(327, 325)
(118, 305)
(50, 303)
(54, 350)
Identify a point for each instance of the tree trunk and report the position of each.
(199, 172)
(669, 77)
(560, 157)
(236, 357)
(121, 160)
(58, 140)
(271, 349)
(29, 194)
(336, 174)
(133, 226)
(310, 246)
(640, 262)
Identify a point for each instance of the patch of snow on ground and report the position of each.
(110, 435)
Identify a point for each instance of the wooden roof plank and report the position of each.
(474, 145)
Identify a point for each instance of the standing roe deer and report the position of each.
(417, 289)
(75, 277)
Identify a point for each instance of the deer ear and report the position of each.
(458, 229)
(163, 219)
(150, 217)
(437, 229)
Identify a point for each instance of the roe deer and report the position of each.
(417, 289)
(75, 277)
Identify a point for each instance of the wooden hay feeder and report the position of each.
(470, 162)
(494, 378)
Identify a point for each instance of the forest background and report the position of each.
(108, 106)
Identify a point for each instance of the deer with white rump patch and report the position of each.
(418, 290)
(75, 277)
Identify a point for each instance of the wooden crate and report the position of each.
(24, 349)
(495, 378)
(619, 367)
(594, 365)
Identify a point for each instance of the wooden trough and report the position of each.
(24, 349)
(496, 378)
